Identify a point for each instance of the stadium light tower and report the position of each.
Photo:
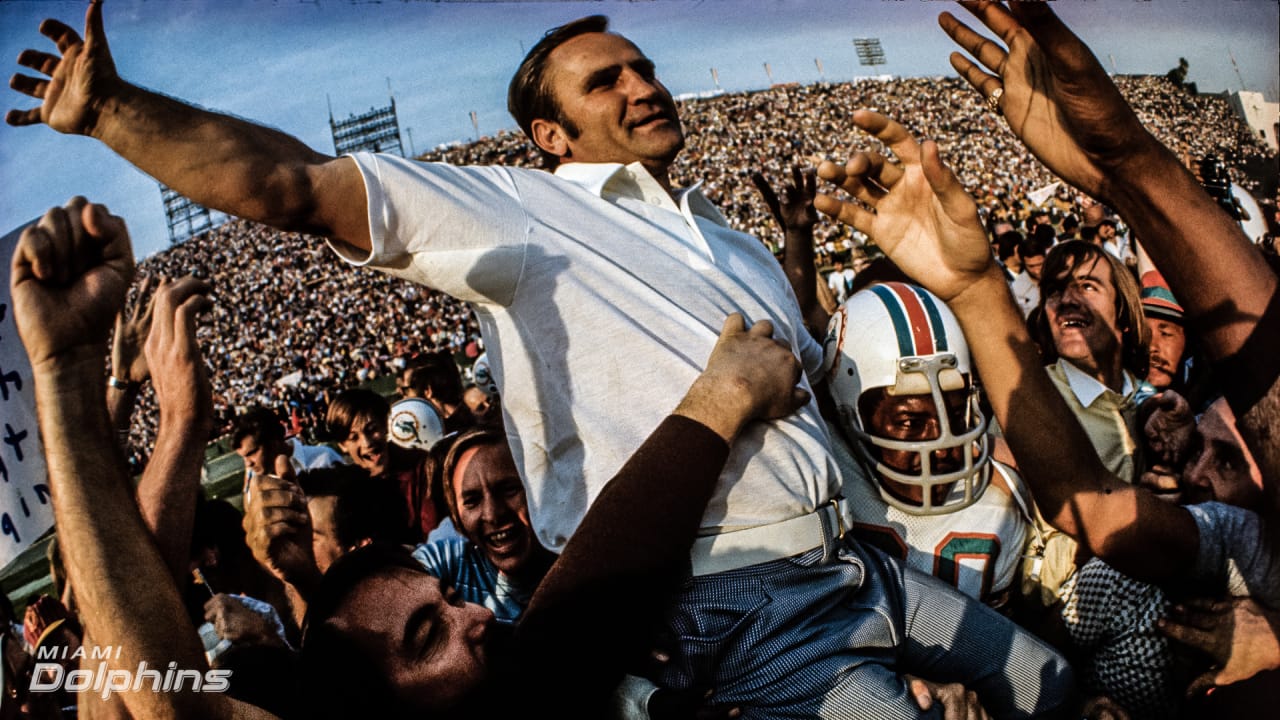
(185, 218)
(869, 51)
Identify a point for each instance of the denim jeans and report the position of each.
(810, 636)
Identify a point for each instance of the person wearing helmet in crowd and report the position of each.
(357, 421)
(435, 378)
(935, 499)
(414, 423)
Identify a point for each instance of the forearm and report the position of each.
(217, 160)
(107, 548)
(1218, 276)
(622, 562)
(1132, 530)
(798, 263)
(169, 486)
(120, 404)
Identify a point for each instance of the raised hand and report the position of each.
(796, 210)
(916, 211)
(797, 217)
(1052, 91)
(128, 360)
(277, 529)
(179, 378)
(80, 77)
(69, 276)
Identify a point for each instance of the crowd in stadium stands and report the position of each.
(820, 512)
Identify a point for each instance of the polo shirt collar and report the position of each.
(1087, 388)
(634, 181)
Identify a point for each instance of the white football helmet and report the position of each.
(482, 376)
(902, 338)
(414, 422)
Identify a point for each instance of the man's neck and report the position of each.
(1112, 375)
(659, 171)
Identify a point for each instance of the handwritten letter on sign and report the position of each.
(25, 509)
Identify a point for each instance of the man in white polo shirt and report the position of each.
(599, 290)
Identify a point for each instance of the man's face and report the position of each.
(1220, 467)
(492, 509)
(1168, 341)
(1082, 317)
(915, 417)
(1033, 265)
(428, 643)
(259, 458)
(324, 531)
(614, 108)
(366, 444)
(1106, 232)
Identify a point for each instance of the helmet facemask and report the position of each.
(931, 375)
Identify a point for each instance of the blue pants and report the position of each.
(808, 637)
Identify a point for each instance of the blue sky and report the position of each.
(276, 62)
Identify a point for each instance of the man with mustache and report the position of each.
(1168, 337)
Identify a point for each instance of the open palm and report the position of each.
(915, 211)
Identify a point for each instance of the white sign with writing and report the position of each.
(26, 511)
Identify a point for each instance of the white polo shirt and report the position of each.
(600, 299)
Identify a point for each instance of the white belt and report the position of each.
(742, 548)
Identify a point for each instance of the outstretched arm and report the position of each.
(918, 213)
(219, 161)
(69, 276)
(1059, 101)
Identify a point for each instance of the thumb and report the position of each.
(955, 201)
(283, 468)
(919, 690)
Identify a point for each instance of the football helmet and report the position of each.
(904, 339)
(414, 422)
(482, 376)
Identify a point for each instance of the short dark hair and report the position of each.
(529, 96)
(1046, 233)
(1035, 245)
(351, 405)
(260, 424)
(1006, 243)
(1059, 266)
(438, 372)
